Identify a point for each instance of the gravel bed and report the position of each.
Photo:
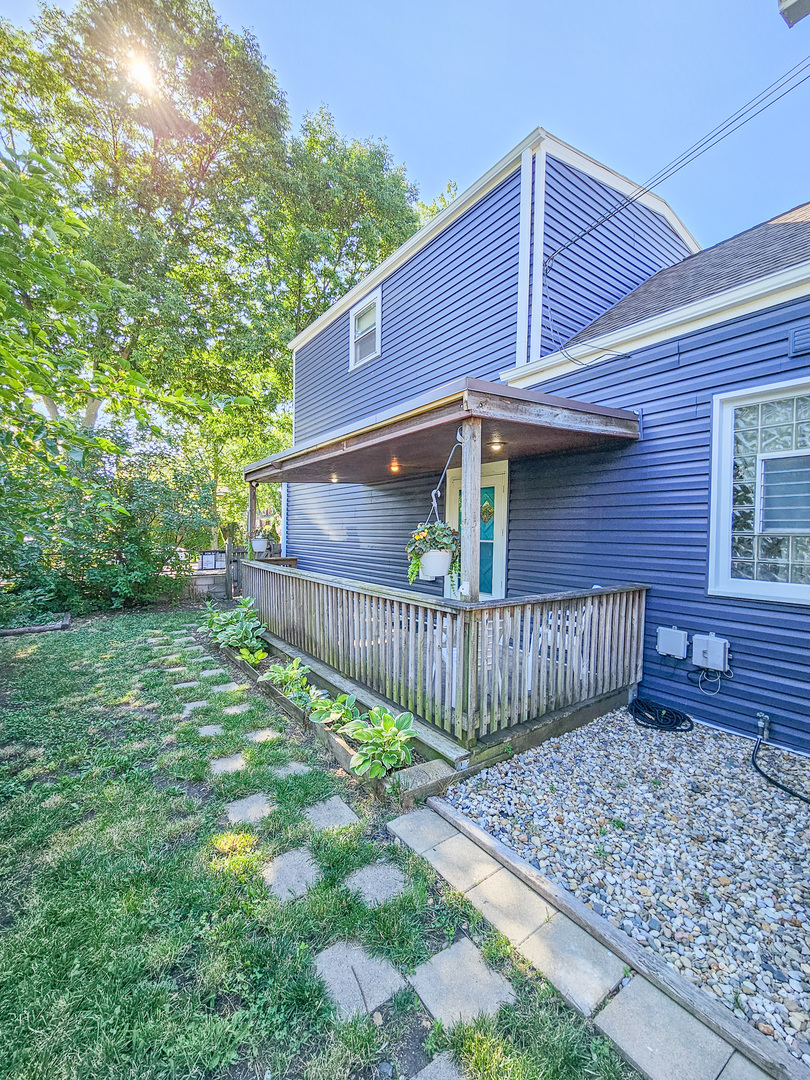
(674, 838)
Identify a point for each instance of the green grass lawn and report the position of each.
(137, 938)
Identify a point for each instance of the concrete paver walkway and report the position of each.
(377, 883)
(290, 875)
(356, 980)
(249, 810)
(457, 985)
(331, 813)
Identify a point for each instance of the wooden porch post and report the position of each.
(470, 507)
(251, 521)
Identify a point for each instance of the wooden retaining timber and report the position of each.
(471, 670)
(63, 624)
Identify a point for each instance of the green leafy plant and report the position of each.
(289, 678)
(383, 741)
(254, 658)
(237, 627)
(341, 710)
(438, 536)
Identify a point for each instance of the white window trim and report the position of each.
(374, 297)
(760, 492)
(721, 583)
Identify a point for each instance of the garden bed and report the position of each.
(407, 785)
(676, 840)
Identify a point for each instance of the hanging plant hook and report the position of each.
(435, 495)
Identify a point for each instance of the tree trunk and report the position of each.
(91, 412)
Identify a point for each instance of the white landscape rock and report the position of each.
(675, 839)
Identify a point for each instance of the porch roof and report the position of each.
(415, 437)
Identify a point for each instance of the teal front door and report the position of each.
(492, 566)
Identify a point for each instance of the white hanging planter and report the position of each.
(434, 564)
(259, 544)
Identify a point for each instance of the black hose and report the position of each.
(650, 714)
(771, 779)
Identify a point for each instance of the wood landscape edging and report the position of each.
(63, 624)
(758, 1048)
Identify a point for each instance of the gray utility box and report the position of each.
(709, 651)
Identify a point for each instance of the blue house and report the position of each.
(617, 422)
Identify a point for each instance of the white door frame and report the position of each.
(493, 474)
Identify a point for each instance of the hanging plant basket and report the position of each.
(259, 545)
(433, 551)
(434, 564)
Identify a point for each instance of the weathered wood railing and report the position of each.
(469, 669)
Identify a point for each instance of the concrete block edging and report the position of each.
(759, 1049)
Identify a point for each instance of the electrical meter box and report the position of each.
(670, 641)
(709, 651)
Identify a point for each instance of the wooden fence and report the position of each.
(469, 669)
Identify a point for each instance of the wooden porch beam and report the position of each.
(470, 508)
(251, 521)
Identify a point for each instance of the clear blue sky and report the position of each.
(631, 82)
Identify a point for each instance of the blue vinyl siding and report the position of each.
(642, 514)
(605, 266)
(449, 311)
(359, 530)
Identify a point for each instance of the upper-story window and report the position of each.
(365, 329)
(760, 542)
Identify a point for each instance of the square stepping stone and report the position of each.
(331, 814)
(512, 907)
(659, 1037)
(295, 768)
(250, 809)
(210, 672)
(198, 659)
(191, 706)
(266, 734)
(225, 688)
(377, 883)
(181, 638)
(192, 648)
(175, 671)
(357, 981)
(235, 710)
(291, 874)
(186, 685)
(164, 660)
(461, 862)
(211, 730)
(457, 985)
(579, 967)
(421, 829)
(740, 1068)
(222, 765)
(441, 1068)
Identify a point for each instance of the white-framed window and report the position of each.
(365, 329)
(759, 545)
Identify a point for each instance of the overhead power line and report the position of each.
(793, 78)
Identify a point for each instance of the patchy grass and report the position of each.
(137, 938)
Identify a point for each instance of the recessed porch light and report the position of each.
(496, 446)
(394, 466)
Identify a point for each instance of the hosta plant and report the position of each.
(383, 741)
(342, 710)
(289, 678)
(237, 627)
(253, 657)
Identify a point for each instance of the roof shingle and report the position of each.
(775, 245)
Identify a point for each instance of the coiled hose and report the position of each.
(650, 714)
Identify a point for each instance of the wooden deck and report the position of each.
(468, 669)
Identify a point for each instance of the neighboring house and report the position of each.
(631, 409)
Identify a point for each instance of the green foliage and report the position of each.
(120, 536)
(438, 536)
(289, 678)
(383, 742)
(341, 710)
(254, 657)
(238, 628)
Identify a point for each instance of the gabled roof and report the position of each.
(507, 165)
(775, 245)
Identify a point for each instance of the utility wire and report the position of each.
(758, 104)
